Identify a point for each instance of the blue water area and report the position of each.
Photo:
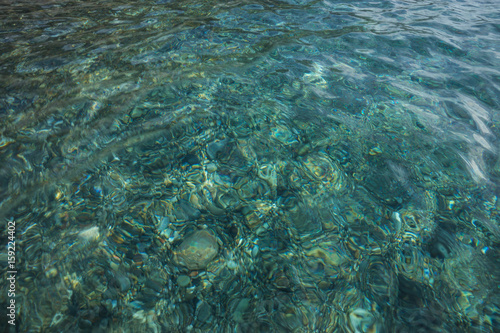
(250, 166)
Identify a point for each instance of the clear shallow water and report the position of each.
(341, 158)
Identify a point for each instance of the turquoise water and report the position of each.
(265, 166)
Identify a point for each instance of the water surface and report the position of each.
(251, 166)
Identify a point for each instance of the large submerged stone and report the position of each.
(197, 250)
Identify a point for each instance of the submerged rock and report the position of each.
(197, 250)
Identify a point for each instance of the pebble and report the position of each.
(197, 250)
(183, 280)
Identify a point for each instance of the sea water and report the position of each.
(250, 166)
